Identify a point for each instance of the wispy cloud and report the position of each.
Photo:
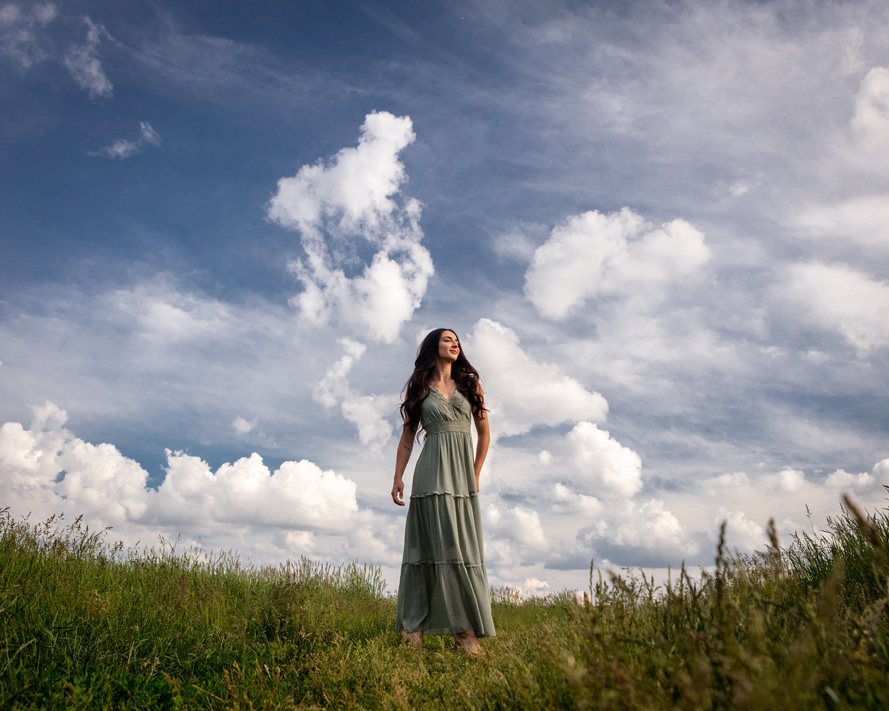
(83, 63)
(21, 32)
(124, 147)
(229, 72)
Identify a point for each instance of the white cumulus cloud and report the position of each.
(298, 495)
(533, 586)
(350, 202)
(790, 479)
(594, 254)
(841, 479)
(637, 534)
(522, 392)
(513, 524)
(47, 470)
(242, 426)
(367, 412)
(603, 466)
(741, 534)
(841, 299)
(580, 503)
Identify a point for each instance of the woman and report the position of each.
(444, 585)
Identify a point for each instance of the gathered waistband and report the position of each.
(434, 428)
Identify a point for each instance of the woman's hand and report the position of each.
(398, 491)
(405, 445)
(476, 483)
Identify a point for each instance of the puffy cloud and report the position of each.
(595, 255)
(580, 503)
(790, 479)
(637, 534)
(682, 526)
(785, 481)
(351, 197)
(46, 470)
(124, 148)
(602, 465)
(724, 482)
(841, 299)
(513, 525)
(100, 481)
(242, 426)
(679, 526)
(299, 495)
(355, 190)
(841, 479)
(523, 393)
(534, 587)
(334, 386)
(48, 416)
(741, 534)
(367, 412)
(84, 65)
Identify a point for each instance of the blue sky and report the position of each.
(660, 229)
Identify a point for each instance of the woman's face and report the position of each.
(448, 346)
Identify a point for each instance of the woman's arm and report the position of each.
(405, 447)
(483, 429)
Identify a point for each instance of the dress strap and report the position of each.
(434, 428)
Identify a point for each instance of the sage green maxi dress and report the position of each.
(444, 584)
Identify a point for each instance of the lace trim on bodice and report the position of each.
(434, 428)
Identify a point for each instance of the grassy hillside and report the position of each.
(87, 625)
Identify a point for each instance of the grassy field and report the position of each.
(85, 624)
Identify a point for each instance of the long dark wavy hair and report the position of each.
(417, 386)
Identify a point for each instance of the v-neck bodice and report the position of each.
(447, 399)
(437, 408)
